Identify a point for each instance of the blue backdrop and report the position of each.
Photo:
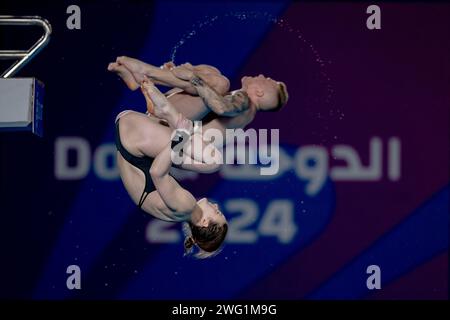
(289, 239)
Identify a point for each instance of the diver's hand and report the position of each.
(182, 72)
(169, 65)
(184, 124)
(187, 65)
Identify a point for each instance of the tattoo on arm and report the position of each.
(212, 99)
(197, 81)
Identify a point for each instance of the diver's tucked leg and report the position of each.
(161, 76)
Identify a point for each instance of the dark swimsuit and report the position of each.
(143, 163)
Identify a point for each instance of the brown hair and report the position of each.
(208, 238)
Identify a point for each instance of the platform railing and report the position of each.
(24, 56)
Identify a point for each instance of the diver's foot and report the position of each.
(157, 103)
(137, 67)
(134, 65)
(124, 74)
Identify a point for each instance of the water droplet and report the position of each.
(208, 21)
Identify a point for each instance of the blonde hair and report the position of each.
(283, 95)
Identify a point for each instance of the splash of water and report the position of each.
(325, 79)
(208, 21)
